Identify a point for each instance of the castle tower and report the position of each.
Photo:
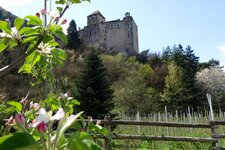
(131, 31)
(95, 18)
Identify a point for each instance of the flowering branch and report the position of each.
(20, 60)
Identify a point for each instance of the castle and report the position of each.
(111, 36)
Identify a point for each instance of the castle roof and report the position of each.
(97, 12)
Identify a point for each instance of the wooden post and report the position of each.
(108, 127)
(138, 119)
(214, 129)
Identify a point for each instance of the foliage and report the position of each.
(187, 60)
(74, 41)
(211, 63)
(174, 88)
(93, 89)
(131, 93)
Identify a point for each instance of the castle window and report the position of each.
(128, 26)
(90, 33)
(128, 35)
(118, 26)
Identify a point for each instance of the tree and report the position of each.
(174, 88)
(211, 63)
(212, 81)
(74, 41)
(143, 57)
(186, 59)
(93, 89)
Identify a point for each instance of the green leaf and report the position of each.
(34, 20)
(58, 31)
(17, 140)
(36, 57)
(60, 2)
(12, 43)
(60, 34)
(17, 105)
(59, 53)
(78, 1)
(77, 144)
(31, 147)
(75, 102)
(3, 46)
(5, 27)
(81, 141)
(18, 23)
(47, 38)
(99, 129)
(92, 145)
(59, 9)
(25, 68)
(27, 31)
(75, 1)
(29, 39)
(53, 43)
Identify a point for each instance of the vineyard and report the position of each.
(167, 131)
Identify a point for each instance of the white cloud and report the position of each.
(221, 48)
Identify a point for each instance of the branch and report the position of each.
(19, 60)
(62, 13)
(22, 58)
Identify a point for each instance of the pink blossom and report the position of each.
(43, 12)
(23, 101)
(64, 21)
(57, 18)
(38, 14)
(42, 127)
(10, 121)
(20, 119)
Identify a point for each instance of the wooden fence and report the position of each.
(212, 126)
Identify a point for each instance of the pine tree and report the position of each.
(74, 41)
(93, 89)
(186, 59)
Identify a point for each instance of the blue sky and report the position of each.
(198, 23)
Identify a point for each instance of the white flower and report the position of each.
(44, 117)
(34, 105)
(59, 114)
(65, 95)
